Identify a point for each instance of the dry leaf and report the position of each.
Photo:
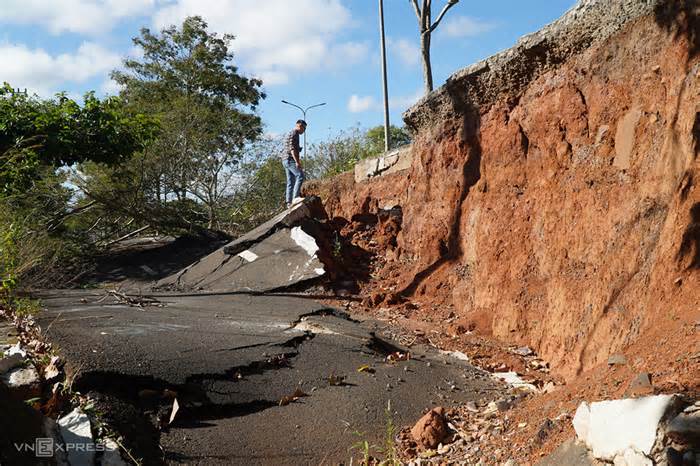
(298, 393)
(398, 356)
(365, 368)
(336, 380)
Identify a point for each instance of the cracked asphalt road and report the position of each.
(229, 359)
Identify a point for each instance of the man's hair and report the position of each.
(301, 122)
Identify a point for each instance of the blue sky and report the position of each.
(306, 51)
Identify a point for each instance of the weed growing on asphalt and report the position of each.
(387, 450)
(364, 447)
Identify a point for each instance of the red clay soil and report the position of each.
(566, 218)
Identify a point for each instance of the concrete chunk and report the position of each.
(610, 428)
(77, 438)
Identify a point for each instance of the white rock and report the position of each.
(582, 420)
(15, 349)
(77, 438)
(248, 255)
(304, 240)
(631, 457)
(512, 378)
(609, 428)
(456, 354)
(21, 377)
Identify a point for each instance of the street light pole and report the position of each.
(387, 142)
(303, 112)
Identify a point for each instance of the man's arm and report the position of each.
(295, 151)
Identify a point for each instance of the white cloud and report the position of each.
(407, 51)
(403, 102)
(110, 87)
(78, 16)
(275, 38)
(43, 73)
(358, 104)
(465, 26)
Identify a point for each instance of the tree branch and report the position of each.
(416, 8)
(449, 5)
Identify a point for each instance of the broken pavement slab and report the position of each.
(275, 255)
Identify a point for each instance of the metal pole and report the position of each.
(387, 140)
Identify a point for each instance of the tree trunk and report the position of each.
(425, 54)
(212, 216)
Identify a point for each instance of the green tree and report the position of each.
(39, 139)
(206, 109)
(59, 132)
(398, 136)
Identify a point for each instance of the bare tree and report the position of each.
(426, 27)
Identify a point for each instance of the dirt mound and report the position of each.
(553, 198)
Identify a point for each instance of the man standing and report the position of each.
(292, 162)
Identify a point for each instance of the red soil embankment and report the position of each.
(563, 212)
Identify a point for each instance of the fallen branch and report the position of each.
(127, 236)
(134, 301)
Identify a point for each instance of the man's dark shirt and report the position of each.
(291, 142)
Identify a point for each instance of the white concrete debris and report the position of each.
(514, 380)
(456, 354)
(77, 437)
(21, 377)
(632, 457)
(623, 429)
(249, 255)
(319, 271)
(304, 240)
(15, 349)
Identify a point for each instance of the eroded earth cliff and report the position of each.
(553, 196)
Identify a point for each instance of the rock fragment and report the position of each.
(685, 427)
(23, 382)
(431, 429)
(617, 359)
(640, 385)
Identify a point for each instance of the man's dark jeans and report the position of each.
(295, 178)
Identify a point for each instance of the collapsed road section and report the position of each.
(279, 253)
(257, 379)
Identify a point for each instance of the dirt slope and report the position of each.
(553, 198)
